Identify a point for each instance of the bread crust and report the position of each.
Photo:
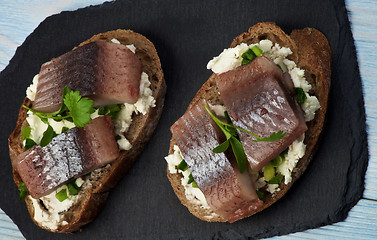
(139, 133)
(311, 52)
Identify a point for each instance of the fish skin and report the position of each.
(69, 155)
(258, 98)
(106, 72)
(229, 193)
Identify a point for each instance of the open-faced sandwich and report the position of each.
(87, 116)
(253, 127)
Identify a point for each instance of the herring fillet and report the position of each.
(106, 72)
(229, 193)
(71, 154)
(258, 98)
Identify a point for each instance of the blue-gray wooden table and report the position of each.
(18, 18)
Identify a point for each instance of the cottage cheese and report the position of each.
(194, 195)
(51, 219)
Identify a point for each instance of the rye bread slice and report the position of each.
(312, 53)
(140, 131)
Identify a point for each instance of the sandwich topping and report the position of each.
(48, 209)
(269, 174)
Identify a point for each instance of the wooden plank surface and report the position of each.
(362, 220)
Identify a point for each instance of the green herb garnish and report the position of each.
(26, 131)
(248, 56)
(48, 135)
(276, 180)
(111, 110)
(62, 195)
(268, 172)
(301, 96)
(23, 191)
(64, 129)
(182, 166)
(260, 194)
(257, 51)
(73, 189)
(232, 138)
(29, 143)
(251, 54)
(191, 180)
(74, 108)
(117, 137)
(277, 161)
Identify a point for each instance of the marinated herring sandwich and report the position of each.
(253, 127)
(87, 116)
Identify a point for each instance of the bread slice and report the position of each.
(92, 199)
(312, 53)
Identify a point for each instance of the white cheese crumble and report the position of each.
(194, 195)
(295, 151)
(51, 217)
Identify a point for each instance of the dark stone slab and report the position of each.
(187, 34)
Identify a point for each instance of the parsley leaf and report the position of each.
(23, 191)
(48, 135)
(74, 108)
(79, 107)
(29, 143)
(301, 96)
(25, 134)
(64, 129)
(272, 138)
(231, 135)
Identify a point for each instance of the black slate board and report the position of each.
(187, 34)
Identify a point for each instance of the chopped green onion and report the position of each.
(117, 137)
(23, 191)
(73, 189)
(62, 195)
(276, 180)
(268, 172)
(26, 131)
(277, 161)
(191, 179)
(257, 51)
(260, 194)
(248, 56)
(301, 96)
(182, 166)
